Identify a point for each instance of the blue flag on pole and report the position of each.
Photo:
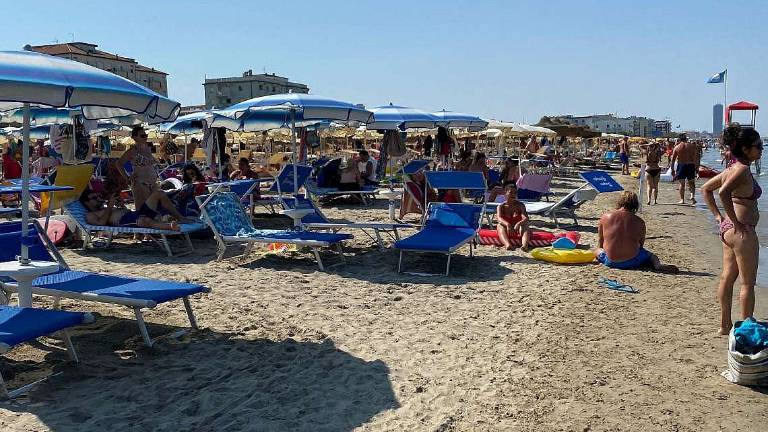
(718, 77)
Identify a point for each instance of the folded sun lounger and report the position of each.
(448, 227)
(77, 211)
(18, 325)
(132, 292)
(231, 225)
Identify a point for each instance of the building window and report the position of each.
(261, 87)
(229, 100)
(239, 88)
(273, 88)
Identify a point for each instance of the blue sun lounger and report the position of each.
(317, 221)
(447, 228)
(132, 292)
(232, 226)
(19, 325)
(77, 211)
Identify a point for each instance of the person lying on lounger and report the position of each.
(147, 216)
(513, 220)
(621, 235)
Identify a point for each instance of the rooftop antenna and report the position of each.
(264, 69)
(73, 36)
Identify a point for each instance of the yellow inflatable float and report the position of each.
(563, 256)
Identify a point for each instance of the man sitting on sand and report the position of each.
(513, 220)
(621, 235)
(147, 216)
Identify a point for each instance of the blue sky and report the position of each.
(509, 60)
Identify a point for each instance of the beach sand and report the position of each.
(505, 343)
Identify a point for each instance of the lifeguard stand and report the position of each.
(741, 106)
(744, 106)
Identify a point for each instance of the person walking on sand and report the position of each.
(686, 155)
(621, 237)
(513, 220)
(624, 156)
(653, 154)
(738, 193)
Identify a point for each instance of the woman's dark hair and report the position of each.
(186, 179)
(739, 139)
(465, 154)
(442, 135)
(135, 131)
(479, 156)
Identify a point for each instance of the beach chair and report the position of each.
(76, 176)
(132, 292)
(565, 207)
(76, 210)
(19, 325)
(317, 221)
(447, 228)
(232, 226)
(412, 200)
(367, 193)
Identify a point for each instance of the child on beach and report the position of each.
(513, 220)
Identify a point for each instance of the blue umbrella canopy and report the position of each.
(306, 107)
(28, 78)
(301, 110)
(460, 120)
(39, 79)
(399, 117)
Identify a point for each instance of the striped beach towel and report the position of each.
(745, 369)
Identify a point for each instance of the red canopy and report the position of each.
(741, 106)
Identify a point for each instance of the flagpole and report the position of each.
(725, 98)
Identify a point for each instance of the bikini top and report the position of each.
(757, 191)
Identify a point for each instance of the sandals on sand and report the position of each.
(617, 286)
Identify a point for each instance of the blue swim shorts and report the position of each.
(641, 259)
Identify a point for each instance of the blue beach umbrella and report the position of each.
(29, 79)
(295, 109)
(460, 120)
(392, 117)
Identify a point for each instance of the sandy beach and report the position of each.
(505, 343)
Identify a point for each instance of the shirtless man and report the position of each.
(624, 156)
(687, 156)
(513, 220)
(145, 217)
(143, 178)
(621, 235)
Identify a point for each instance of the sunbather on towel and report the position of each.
(147, 216)
(621, 235)
(513, 220)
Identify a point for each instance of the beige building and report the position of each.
(223, 92)
(124, 66)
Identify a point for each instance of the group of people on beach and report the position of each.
(621, 232)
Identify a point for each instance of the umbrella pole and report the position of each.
(293, 156)
(24, 258)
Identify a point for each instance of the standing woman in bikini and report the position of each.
(143, 178)
(653, 154)
(738, 193)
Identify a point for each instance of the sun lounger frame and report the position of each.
(6, 393)
(223, 240)
(136, 304)
(160, 237)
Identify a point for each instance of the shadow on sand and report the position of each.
(206, 381)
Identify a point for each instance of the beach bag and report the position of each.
(745, 366)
